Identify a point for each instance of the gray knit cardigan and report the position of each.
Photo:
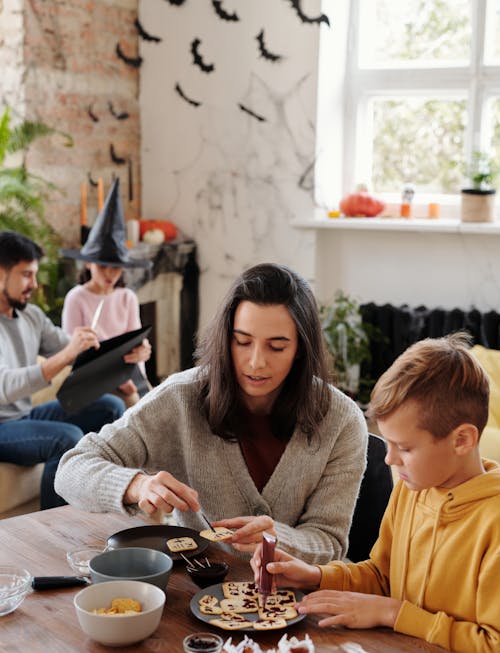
(311, 494)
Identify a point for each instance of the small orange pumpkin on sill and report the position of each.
(361, 204)
(168, 228)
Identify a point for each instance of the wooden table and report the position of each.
(46, 621)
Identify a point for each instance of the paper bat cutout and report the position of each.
(198, 59)
(91, 181)
(176, 2)
(145, 35)
(222, 13)
(264, 52)
(93, 116)
(179, 90)
(251, 113)
(119, 116)
(114, 157)
(323, 18)
(135, 62)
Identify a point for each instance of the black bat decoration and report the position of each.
(114, 157)
(119, 116)
(176, 2)
(322, 18)
(264, 52)
(198, 59)
(92, 114)
(179, 90)
(222, 13)
(135, 62)
(145, 35)
(91, 181)
(251, 113)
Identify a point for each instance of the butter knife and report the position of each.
(206, 521)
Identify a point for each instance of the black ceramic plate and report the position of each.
(216, 590)
(155, 537)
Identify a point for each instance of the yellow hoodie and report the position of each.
(438, 551)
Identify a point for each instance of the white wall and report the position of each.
(232, 183)
(11, 57)
(448, 270)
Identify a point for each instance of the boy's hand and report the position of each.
(287, 570)
(249, 531)
(351, 609)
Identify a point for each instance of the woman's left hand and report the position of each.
(248, 531)
(139, 354)
(351, 609)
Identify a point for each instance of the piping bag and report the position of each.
(265, 578)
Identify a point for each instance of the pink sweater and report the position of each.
(119, 314)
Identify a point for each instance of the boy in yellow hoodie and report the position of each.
(434, 571)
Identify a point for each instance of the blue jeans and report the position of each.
(48, 432)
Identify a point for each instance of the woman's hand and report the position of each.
(160, 492)
(248, 531)
(287, 571)
(139, 354)
(351, 609)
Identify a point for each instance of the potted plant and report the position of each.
(348, 341)
(478, 200)
(22, 203)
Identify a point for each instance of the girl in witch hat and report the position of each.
(102, 301)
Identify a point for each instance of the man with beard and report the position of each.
(30, 435)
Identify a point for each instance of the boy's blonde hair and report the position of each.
(443, 377)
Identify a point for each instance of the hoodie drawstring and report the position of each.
(437, 520)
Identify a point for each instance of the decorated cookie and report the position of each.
(239, 604)
(177, 544)
(218, 535)
(269, 624)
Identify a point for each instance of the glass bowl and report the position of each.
(15, 583)
(209, 575)
(79, 559)
(202, 643)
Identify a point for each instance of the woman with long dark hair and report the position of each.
(255, 435)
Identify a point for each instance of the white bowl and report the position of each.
(15, 583)
(119, 630)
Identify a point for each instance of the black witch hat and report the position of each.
(106, 242)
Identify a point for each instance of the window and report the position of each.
(422, 93)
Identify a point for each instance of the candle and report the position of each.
(83, 205)
(100, 195)
(130, 181)
(433, 210)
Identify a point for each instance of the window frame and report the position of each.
(478, 82)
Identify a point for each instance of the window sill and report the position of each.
(439, 225)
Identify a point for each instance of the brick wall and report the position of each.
(68, 66)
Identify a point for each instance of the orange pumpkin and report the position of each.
(168, 228)
(361, 204)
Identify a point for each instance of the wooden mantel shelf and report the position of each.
(440, 225)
